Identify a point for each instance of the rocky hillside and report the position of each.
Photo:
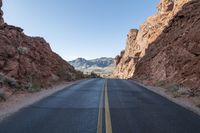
(103, 67)
(166, 47)
(82, 63)
(28, 62)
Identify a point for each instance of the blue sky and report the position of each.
(80, 28)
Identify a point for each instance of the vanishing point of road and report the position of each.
(103, 106)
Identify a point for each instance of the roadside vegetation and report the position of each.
(33, 87)
(10, 86)
(92, 75)
(178, 90)
(6, 82)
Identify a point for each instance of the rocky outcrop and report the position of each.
(29, 61)
(166, 47)
(126, 60)
(1, 14)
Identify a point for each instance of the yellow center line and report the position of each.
(100, 121)
(107, 110)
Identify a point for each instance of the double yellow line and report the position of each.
(107, 111)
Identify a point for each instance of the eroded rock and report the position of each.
(167, 46)
(30, 60)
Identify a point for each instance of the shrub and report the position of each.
(2, 77)
(4, 80)
(11, 82)
(23, 50)
(173, 88)
(176, 95)
(183, 90)
(33, 87)
(94, 75)
(62, 73)
(193, 92)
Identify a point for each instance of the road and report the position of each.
(103, 106)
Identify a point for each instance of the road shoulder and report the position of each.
(18, 101)
(184, 102)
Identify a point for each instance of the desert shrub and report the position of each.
(193, 92)
(23, 50)
(31, 87)
(93, 75)
(4, 80)
(183, 90)
(79, 75)
(66, 76)
(62, 73)
(180, 90)
(176, 95)
(173, 88)
(11, 82)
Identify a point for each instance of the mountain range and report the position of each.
(103, 66)
(81, 63)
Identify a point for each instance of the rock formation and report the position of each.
(166, 47)
(26, 61)
(1, 14)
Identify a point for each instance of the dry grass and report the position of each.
(33, 87)
(178, 90)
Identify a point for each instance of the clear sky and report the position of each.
(80, 28)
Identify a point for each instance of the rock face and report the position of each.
(30, 61)
(125, 61)
(166, 47)
(1, 14)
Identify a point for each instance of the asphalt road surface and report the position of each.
(102, 106)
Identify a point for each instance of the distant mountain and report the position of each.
(81, 63)
(102, 66)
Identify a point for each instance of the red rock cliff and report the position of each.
(29, 61)
(166, 47)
